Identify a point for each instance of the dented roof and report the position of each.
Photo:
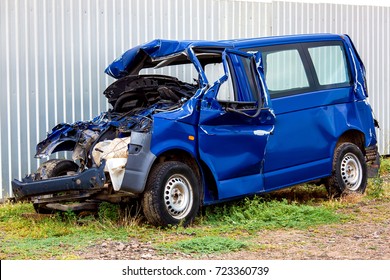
(130, 60)
(123, 65)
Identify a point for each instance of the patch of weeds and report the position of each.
(385, 166)
(109, 212)
(116, 215)
(52, 247)
(69, 216)
(131, 214)
(12, 211)
(379, 187)
(206, 245)
(86, 219)
(375, 188)
(255, 214)
(32, 248)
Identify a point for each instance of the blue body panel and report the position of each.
(305, 125)
(233, 152)
(173, 135)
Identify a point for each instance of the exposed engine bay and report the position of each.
(101, 145)
(134, 100)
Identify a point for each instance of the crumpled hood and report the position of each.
(124, 64)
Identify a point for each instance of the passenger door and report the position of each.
(234, 127)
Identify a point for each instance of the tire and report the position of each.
(172, 195)
(57, 167)
(53, 168)
(349, 173)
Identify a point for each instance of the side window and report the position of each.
(284, 71)
(330, 64)
(297, 68)
(226, 92)
(240, 68)
(214, 72)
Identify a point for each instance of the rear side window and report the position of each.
(284, 71)
(330, 65)
(304, 67)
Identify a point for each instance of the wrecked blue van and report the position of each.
(194, 123)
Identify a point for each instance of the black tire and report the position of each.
(349, 173)
(57, 167)
(172, 195)
(53, 168)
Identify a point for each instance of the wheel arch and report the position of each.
(354, 136)
(203, 173)
(182, 156)
(178, 155)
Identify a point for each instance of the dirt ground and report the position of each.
(366, 237)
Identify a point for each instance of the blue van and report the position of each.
(194, 123)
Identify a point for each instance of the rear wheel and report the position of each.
(171, 195)
(349, 171)
(53, 168)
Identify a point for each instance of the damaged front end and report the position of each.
(100, 147)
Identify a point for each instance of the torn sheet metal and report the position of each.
(124, 65)
(149, 54)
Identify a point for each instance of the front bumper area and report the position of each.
(92, 178)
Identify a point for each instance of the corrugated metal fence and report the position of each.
(53, 54)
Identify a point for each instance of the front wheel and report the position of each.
(172, 194)
(349, 171)
(50, 169)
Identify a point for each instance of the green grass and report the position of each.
(379, 188)
(206, 245)
(222, 228)
(385, 166)
(256, 214)
(25, 235)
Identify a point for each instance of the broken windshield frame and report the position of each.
(240, 78)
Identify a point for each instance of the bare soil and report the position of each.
(365, 237)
